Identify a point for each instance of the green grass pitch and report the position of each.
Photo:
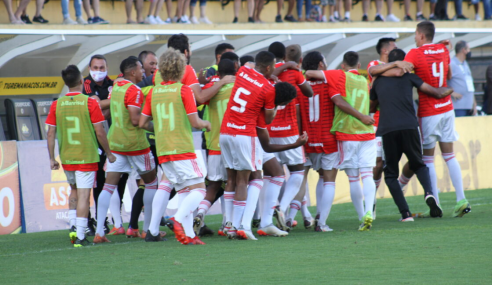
(428, 251)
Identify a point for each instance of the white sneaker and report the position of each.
(272, 230)
(205, 20)
(168, 21)
(150, 20)
(392, 18)
(184, 20)
(81, 21)
(325, 228)
(477, 17)
(69, 21)
(323, 19)
(159, 21)
(185, 17)
(246, 234)
(232, 232)
(280, 216)
(175, 19)
(309, 223)
(194, 20)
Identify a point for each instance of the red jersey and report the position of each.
(213, 79)
(96, 118)
(189, 77)
(317, 119)
(251, 93)
(431, 64)
(371, 64)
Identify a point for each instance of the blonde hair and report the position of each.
(172, 65)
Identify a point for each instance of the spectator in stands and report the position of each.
(206, 73)
(203, 17)
(289, 17)
(331, 9)
(180, 12)
(138, 8)
(12, 18)
(95, 6)
(77, 5)
(155, 8)
(487, 9)
(251, 10)
(419, 16)
(149, 62)
(37, 17)
(487, 106)
(462, 82)
(458, 8)
(379, 6)
(307, 7)
(259, 4)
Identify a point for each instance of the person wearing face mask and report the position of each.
(462, 82)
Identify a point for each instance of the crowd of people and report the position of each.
(258, 114)
(338, 10)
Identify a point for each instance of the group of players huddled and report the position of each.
(259, 114)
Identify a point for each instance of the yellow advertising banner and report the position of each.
(471, 151)
(30, 85)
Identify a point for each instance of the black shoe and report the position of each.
(435, 209)
(205, 232)
(91, 230)
(90, 20)
(40, 20)
(256, 223)
(150, 238)
(81, 243)
(99, 21)
(290, 18)
(462, 18)
(316, 222)
(365, 19)
(250, 20)
(170, 224)
(278, 19)
(106, 226)
(379, 18)
(235, 20)
(444, 18)
(163, 222)
(26, 20)
(407, 18)
(421, 18)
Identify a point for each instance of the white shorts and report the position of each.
(83, 179)
(292, 156)
(143, 163)
(241, 152)
(308, 162)
(184, 173)
(325, 161)
(267, 156)
(357, 154)
(438, 128)
(379, 147)
(216, 168)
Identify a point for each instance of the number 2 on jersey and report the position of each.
(74, 130)
(163, 115)
(240, 101)
(440, 73)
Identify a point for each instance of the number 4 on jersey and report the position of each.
(439, 73)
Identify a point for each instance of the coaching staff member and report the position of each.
(399, 129)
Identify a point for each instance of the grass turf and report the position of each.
(438, 251)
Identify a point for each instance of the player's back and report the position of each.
(216, 110)
(431, 64)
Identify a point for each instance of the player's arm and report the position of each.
(103, 140)
(285, 66)
(105, 104)
(207, 94)
(270, 115)
(438, 93)
(306, 89)
(264, 138)
(134, 115)
(198, 123)
(315, 74)
(299, 119)
(345, 107)
(202, 76)
(382, 69)
(51, 147)
(373, 107)
(145, 122)
(374, 103)
(450, 73)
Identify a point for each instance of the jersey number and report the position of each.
(163, 115)
(439, 73)
(74, 130)
(314, 108)
(240, 101)
(360, 94)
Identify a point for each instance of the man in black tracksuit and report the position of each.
(399, 129)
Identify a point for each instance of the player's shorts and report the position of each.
(267, 156)
(241, 152)
(308, 162)
(184, 173)
(83, 179)
(325, 161)
(216, 168)
(143, 163)
(292, 156)
(357, 154)
(379, 147)
(438, 128)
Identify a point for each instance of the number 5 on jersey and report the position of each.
(240, 101)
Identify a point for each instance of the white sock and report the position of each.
(81, 224)
(292, 186)
(72, 215)
(326, 201)
(254, 188)
(148, 200)
(103, 202)
(336, 14)
(203, 207)
(186, 222)
(188, 226)
(429, 161)
(356, 191)
(222, 208)
(159, 205)
(228, 203)
(115, 208)
(271, 191)
(238, 212)
(319, 193)
(403, 180)
(295, 206)
(256, 215)
(369, 189)
(304, 209)
(190, 204)
(377, 182)
(347, 15)
(455, 174)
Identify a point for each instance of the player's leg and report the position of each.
(254, 188)
(187, 206)
(115, 208)
(367, 159)
(84, 184)
(213, 188)
(329, 176)
(104, 199)
(349, 161)
(72, 210)
(159, 206)
(378, 170)
(296, 203)
(356, 193)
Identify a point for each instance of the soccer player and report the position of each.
(252, 94)
(128, 143)
(206, 73)
(76, 121)
(172, 106)
(353, 129)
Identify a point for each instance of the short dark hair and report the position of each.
(230, 55)
(293, 53)
(222, 47)
(71, 76)
(311, 60)
(246, 58)
(396, 54)
(264, 59)
(383, 42)
(351, 58)
(226, 67)
(459, 46)
(143, 55)
(97, 56)
(428, 29)
(284, 93)
(128, 64)
(278, 49)
(179, 42)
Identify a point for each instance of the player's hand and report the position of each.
(367, 120)
(447, 43)
(54, 164)
(228, 79)
(201, 77)
(111, 157)
(207, 126)
(302, 139)
(292, 65)
(456, 96)
(406, 66)
(96, 98)
(274, 78)
(445, 91)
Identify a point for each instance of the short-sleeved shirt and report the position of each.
(96, 118)
(213, 79)
(462, 83)
(396, 100)
(251, 94)
(189, 103)
(431, 64)
(189, 78)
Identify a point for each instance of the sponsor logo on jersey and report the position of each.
(440, 105)
(315, 144)
(73, 103)
(245, 76)
(234, 126)
(281, 128)
(430, 51)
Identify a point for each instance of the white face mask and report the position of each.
(98, 76)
